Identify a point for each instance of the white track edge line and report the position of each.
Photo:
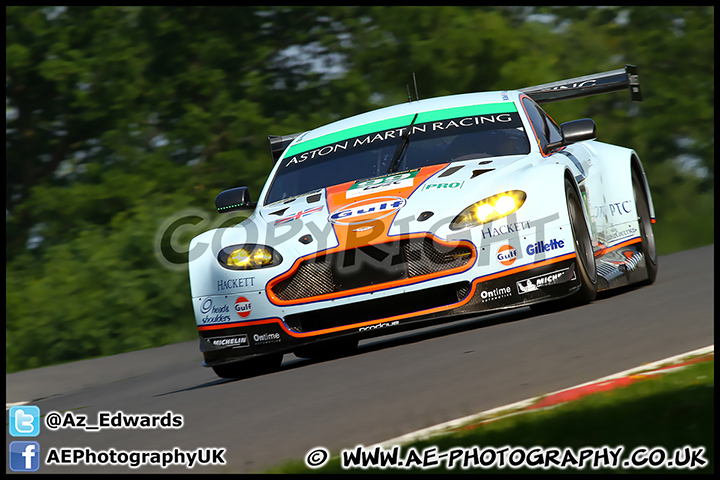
(429, 431)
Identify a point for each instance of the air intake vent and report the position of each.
(371, 265)
(480, 172)
(450, 171)
(369, 310)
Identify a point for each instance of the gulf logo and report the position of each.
(243, 307)
(366, 210)
(506, 255)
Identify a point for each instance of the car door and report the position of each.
(575, 156)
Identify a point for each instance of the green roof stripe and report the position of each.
(401, 121)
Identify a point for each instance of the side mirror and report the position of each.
(575, 131)
(233, 199)
(578, 130)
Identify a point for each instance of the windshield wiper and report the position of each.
(401, 147)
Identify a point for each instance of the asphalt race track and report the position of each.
(391, 386)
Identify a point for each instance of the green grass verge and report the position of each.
(664, 413)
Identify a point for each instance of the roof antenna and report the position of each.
(416, 92)
(408, 89)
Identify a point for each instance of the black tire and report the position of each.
(249, 368)
(586, 268)
(327, 350)
(646, 233)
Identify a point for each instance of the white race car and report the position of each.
(420, 212)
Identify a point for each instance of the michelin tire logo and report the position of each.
(553, 278)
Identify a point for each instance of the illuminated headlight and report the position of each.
(489, 209)
(248, 257)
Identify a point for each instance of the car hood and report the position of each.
(372, 211)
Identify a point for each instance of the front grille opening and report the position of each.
(368, 310)
(370, 265)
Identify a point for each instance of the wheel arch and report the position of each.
(636, 166)
(568, 175)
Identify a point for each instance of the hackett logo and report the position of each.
(504, 229)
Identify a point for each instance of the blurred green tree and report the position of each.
(117, 118)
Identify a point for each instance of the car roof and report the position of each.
(411, 108)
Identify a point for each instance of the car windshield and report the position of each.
(377, 153)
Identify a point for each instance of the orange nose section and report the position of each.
(362, 212)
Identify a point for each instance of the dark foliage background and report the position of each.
(118, 118)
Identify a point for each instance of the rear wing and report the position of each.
(278, 144)
(595, 84)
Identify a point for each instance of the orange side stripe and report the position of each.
(605, 250)
(525, 267)
(238, 324)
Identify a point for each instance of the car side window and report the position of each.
(545, 128)
(554, 132)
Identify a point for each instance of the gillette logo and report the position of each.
(541, 247)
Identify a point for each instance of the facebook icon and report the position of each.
(24, 456)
